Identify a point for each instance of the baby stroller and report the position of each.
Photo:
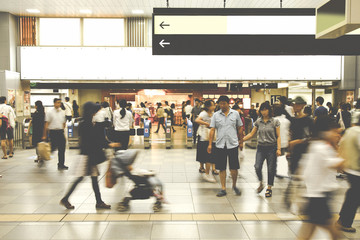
(146, 183)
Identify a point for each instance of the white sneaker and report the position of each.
(209, 178)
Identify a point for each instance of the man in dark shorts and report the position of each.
(228, 124)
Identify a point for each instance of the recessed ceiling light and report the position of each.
(86, 11)
(33, 10)
(137, 11)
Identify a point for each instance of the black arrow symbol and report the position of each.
(162, 25)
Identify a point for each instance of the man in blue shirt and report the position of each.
(320, 110)
(229, 138)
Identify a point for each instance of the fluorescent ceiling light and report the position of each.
(86, 11)
(33, 10)
(138, 11)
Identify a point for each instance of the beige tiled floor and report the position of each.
(29, 199)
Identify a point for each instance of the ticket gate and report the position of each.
(26, 143)
(189, 134)
(73, 133)
(147, 133)
(168, 142)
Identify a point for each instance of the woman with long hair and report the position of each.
(75, 108)
(92, 143)
(269, 146)
(202, 156)
(37, 125)
(123, 121)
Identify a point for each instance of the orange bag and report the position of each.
(110, 180)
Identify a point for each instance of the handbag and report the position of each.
(205, 133)
(282, 168)
(341, 122)
(44, 150)
(110, 180)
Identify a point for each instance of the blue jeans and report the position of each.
(268, 153)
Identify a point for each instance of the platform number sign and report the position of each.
(275, 98)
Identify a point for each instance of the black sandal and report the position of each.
(215, 172)
(4, 157)
(201, 170)
(268, 193)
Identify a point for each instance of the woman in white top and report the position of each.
(320, 167)
(123, 121)
(284, 127)
(202, 156)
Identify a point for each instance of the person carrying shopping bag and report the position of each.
(92, 143)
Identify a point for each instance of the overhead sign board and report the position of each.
(243, 32)
(336, 18)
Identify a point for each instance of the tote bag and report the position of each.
(341, 121)
(44, 150)
(282, 168)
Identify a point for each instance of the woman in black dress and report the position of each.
(75, 109)
(92, 143)
(37, 123)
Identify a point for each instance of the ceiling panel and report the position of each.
(123, 8)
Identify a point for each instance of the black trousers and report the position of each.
(352, 201)
(195, 129)
(68, 118)
(95, 186)
(123, 138)
(162, 123)
(57, 140)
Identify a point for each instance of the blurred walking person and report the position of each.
(92, 143)
(350, 151)
(320, 167)
(37, 124)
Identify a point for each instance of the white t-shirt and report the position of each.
(188, 109)
(55, 118)
(284, 130)
(203, 131)
(125, 123)
(102, 115)
(290, 110)
(319, 177)
(8, 112)
(68, 109)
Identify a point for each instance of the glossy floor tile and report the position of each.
(29, 201)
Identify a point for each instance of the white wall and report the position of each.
(118, 63)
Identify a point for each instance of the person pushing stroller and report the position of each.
(146, 183)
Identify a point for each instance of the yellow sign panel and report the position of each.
(190, 25)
